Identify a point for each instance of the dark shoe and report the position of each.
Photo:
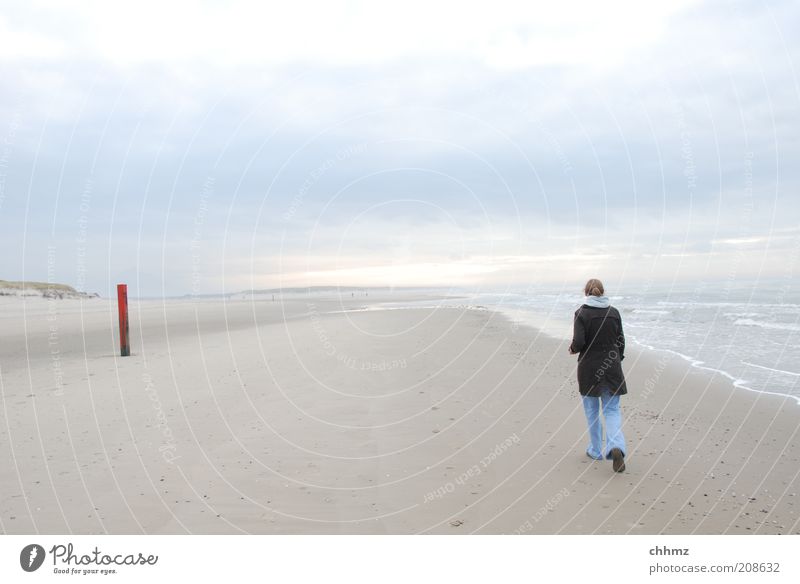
(617, 460)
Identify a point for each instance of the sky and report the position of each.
(205, 147)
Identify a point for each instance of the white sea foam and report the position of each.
(768, 325)
(736, 381)
(742, 305)
(742, 314)
(696, 330)
(781, 371)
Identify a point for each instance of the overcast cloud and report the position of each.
(199, 147)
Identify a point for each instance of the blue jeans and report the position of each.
(614, 438)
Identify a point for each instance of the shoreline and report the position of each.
(560, 327)
(249, 418)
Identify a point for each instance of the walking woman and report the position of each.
(600, 344)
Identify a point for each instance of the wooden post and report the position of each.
(122, 305)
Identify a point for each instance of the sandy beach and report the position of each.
(327, 415)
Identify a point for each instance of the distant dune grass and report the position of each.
(39, 286)
(45, 289)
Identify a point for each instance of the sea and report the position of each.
(748, 334)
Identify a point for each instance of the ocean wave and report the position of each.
(740, 305)
(735, 381)
(706, 341)
(641, 344)
(781, 371)
(742, 314)
(695, 362)
(767, 325)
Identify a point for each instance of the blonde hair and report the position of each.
(594, 287)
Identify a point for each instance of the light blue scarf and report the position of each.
(597, 301)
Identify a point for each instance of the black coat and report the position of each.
(600, 343)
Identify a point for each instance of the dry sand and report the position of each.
(296, 417)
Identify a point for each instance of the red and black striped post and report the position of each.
(122, 305)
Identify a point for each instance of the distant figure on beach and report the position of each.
(599, 342)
